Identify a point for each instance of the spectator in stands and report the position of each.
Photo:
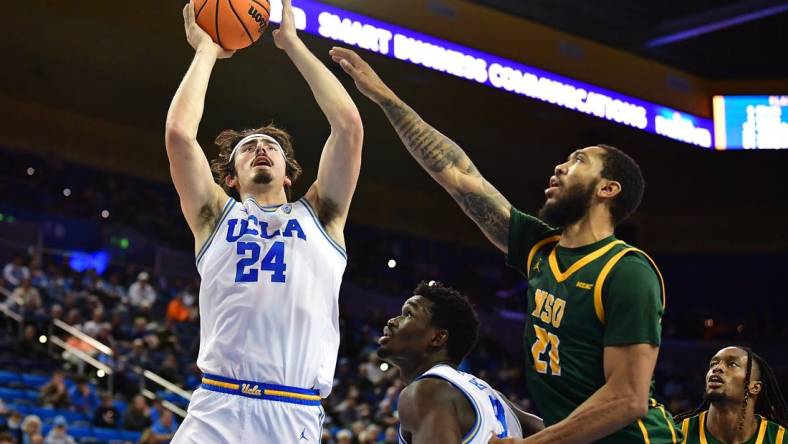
(148, 437)
(138, 356)
(27, 296)
(31, 426)
(137, 416)
(37, 439)
(107, 415)
(390, 436)
(6, 438)
(15, 272)
(141, 293)
(83, 397)
(29, 346)
(177, 310)
(38, 277)
(14, 424)
(73, 317)
(54, 393)
(93, 326)
(165, 427)
(59, 433)
(112, 290)
(169, 370)
(344, 436)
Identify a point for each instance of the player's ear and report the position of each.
(440, 338)
(288, 182)
(609, 188)
(231, 180)
(755, 387)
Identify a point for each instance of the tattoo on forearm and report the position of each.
(433, 150)
(486, 210)
(436, 152)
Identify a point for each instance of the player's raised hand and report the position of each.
(286, 35)
(367, 81)
(198, 38)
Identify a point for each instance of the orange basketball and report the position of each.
(233, 24)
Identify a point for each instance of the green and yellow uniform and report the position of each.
(581, 300)
(695, 431)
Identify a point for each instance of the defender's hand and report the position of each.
(198, 38)
(286, 35)
(367, 81)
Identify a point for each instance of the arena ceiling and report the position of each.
(718, 39)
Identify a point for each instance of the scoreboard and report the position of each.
(750, 122)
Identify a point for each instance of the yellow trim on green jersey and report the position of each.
(670, 423)
(599, 306)
(587, 259)
(644, 430)
(685, 430)
(761, 429)
(780, 433)
(536, 248)
(702, 428)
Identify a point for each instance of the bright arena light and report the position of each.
(105, 214)
(31, 171)
(384, 366)
(67, 192)
(42, 339)
(392, 263)
(100, 373)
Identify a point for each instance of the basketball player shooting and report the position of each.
(271, 268)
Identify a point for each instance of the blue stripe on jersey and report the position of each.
(225, 212)
(322, 229)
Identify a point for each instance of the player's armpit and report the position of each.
(428, 414)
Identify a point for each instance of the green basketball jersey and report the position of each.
(581, 300)
(695, 432)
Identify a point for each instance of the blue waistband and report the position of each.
(260, 390)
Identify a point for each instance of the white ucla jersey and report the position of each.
(493, 413)
(269, 296)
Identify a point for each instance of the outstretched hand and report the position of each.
(198, 38)
(286, 35)
(496, 440)
(367, 81)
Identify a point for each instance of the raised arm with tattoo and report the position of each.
(443, 159)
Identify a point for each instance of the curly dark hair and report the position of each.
(452, 312)
(622, 168)
(770, 403)
(223, 167)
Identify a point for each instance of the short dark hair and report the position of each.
(224, 166)
(452, 312)
(622, 168)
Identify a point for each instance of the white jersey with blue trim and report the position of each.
(493, 413)
(269, 296)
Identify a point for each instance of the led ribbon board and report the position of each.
(496, 72)
(750, 122)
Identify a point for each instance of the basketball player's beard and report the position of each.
(569, 208)
(262, 178)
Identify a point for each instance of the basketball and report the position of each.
(233, 24)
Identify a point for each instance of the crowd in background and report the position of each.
(150, 320)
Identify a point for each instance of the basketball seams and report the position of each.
(248, 34)
(216, 24)
(200, 9)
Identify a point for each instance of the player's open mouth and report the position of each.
(715, 382)
(262, 161)
(552, 186)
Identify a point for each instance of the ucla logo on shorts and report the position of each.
(249, 389)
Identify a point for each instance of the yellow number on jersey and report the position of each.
(543, 339)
